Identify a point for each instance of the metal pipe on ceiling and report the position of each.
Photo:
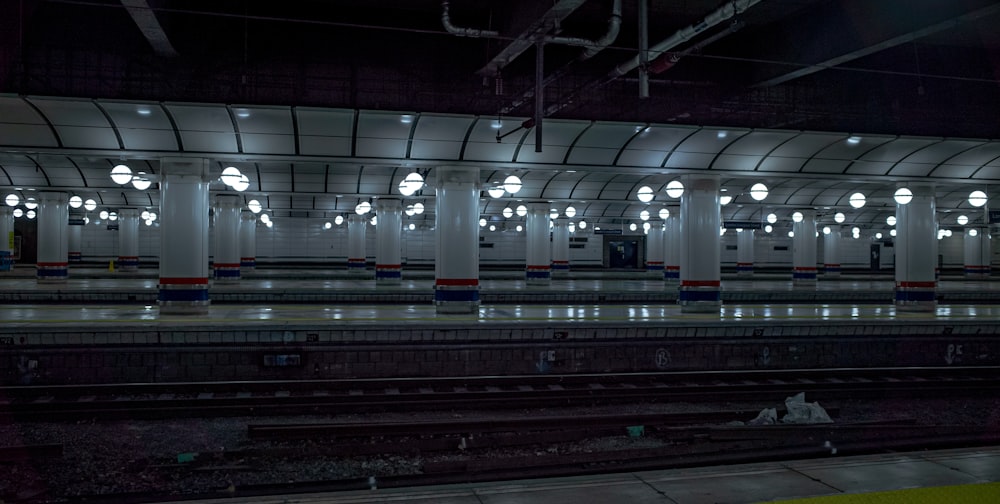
(643, 49)
(462, 31)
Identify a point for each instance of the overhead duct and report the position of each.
(683, 35)
(461, 31)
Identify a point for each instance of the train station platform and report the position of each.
(928, 477)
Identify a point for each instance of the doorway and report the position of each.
(623, 254)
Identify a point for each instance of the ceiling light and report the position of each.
(512, 184)
(493, 227)
(141, 182)
(664, 213)
(972, 232)
(582, 224)
(482, 222)
(878, 236)
(570, 212)
(409, 210)
(411, 184)
(522, 210)
(327, 225)
(254, 206)
(242, 184)
(31, 215)
(338, 220)
(891, 220)
(144, 215)
(892, 232)
(962, 220)
(363, 208)
(265, 218)
(645, 194)
(519, 228)
(374, 220)
(644, 215)
(791, 234)
(121, 174)
(675, 189)
(903, 196)
(412, 226)
(725, 199)
(771, 218)
(826, 230)
(103, 215)
(230, 175)
(646, 226)
(857, 200)
(632, 227)
(758, 191)
(152, 216)
(418, 208)
(31, 203)
(90, 205)
(768, 228)
(495, 192)
(113, 216)
(839, 217)
(508, 212)
(18, 212)
(75, 202)
(797, 217)
(977, 198)
(269, 224)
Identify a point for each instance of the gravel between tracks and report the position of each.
(142, 456)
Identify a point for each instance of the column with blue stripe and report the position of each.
(831, 252)
(6, 238)
(53, 237)
(248, 240)
(915, 246)
(356, 258)
(538, 254)
(701, 220)
(804, 246)
(183, 287)
(976, 241)
(654, 249)
(456, 234)
(560, 247)
(226, 266)
(388, 263)
(75, 234)
(672, 246)
(744, 252)
(128, 240)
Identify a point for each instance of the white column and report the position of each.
(744, 252)
(53, 239)
(128, 240)
(456, 264)
(183, 235)
(977, 252)
(804, 248)
(831, 252)
(226, 265)
(248, 240)
(356, 259)
(74, 250)
(915, 254)
(700, 289)
(538, 267)
(672, 247)
(6, 237)
(654, 249)
(388, 244)
(560, 247)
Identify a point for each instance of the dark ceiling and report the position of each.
(910, 67)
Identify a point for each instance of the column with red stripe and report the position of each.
(831, 252)
(654, 249)
(6, 238)
(672, 246)
(53, 237)
(128, 240)
(226, 266)
(538, 253)
(184, 202)
(700, 289)
(75, 234)
(456, 262)
(356, 259)
(804, 246)
(977, 252)
(248, 240)
(560, 247)
(916, 250)
(744, 252)
(388, 260)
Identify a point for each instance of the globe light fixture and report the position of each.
(90, 205)
(75, 202)
(507, 212)
(522, 210)
(373, 220)
(977, 198)
(31, 215)
(242, 184)
(519, 228)
(632, 227)
(725, 199)
(418, 208)
(363, 208)
(892, 232)
(18, 212)
(839, 217)
(121, 174)
(411, 184)
(857, 200)
(962, 220)
(771, 218)
(553, 213)
(768, 228)
(493, 227)
(338, 220)
(254, 206)
(664, 213)
(103, 215)
(230, 175)
(412, 226)
(269, 224)
(570, 212)
(582, 224)
(152, 216)
(482, 222)
(30, 203)
(972, 232)
(644, 194)
(645, 227)
(141, 181)
(891, 220)
(265, 218)
(12, 200)
(797, 217)
(144, 215)
(758, 191)
(409, 210)
(644, 215)
(791, 234)
(327, 225)
(826, 230)
(113, 216)
(878, 236)
(903, 196)
(512, 184)
(675, 189)
(496, 192)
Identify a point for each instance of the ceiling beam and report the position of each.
(850, 30)
(144, 17)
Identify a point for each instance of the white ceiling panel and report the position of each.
(898, 149)
(142, 126)
(806, 144)
(266, 120)
(689, 160)
(557, 136)
(204, 128)
(440, 136)
(483, 146)
(905, 169)
(710, 141)
(27, 135)
(937, 152)
(869, 168)
(85, 137)
(736, 162)
(991, 171)
(852, 147)
(275, 176)
(954, 171)
(817, 165)
(977, 156)
(600, 143)
(587, 189)
(376, 179)
(650, 147)
(309, 177)
(61, 172)
(383, 134)
(781, 164)
(254, 143)
(758, 142)
(325, 132)
(71, 112)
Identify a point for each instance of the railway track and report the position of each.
(205, 399)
